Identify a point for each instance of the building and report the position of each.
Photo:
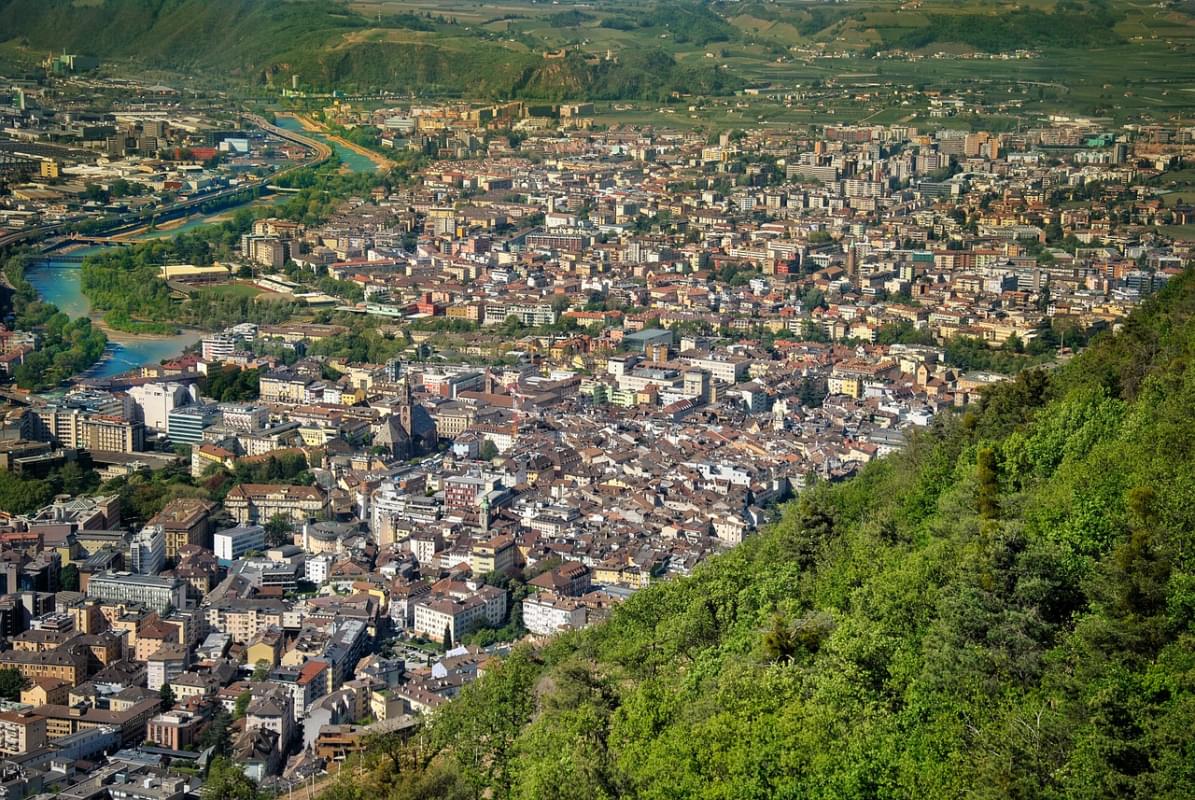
(233, 543)
(245, 418)
(640, 341)
(147, 551)
(130, 721)
(151, 591)
(165, 664)
(459, 615)
(80, 428)
(174, 730)
(218, 347)
(571, 579)
(21, 732)
(67, 663)
(185, 425)
(185, 521)
(494, 555)
(410, 431)
(251, 503)
(546, 613)
(728, 369)
(283, 386)
(155, 401)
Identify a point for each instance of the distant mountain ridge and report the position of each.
(329, 45)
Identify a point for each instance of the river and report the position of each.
(59, 282)
(354, 161)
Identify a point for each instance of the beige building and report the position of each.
(253, 503)
(185, 521)
(493, 555)
(73, 427)
(21, 732)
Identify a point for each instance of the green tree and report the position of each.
(779, 643)
(242, 703)
(11, 684)
(987, 477)
(279, 530)
(215, 735)
(68, 578)
(227, 781)
(166, 694)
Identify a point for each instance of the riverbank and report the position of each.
(310, 125)
(58, 282)
(117, 335)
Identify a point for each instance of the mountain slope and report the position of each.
(330, 46)
(1003, 610)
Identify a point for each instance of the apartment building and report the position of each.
(20, 732)
(459, 615)
(546, 613)
(496, 555)
(74, 427)
(147, 551)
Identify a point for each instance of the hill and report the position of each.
(329, 45)
(1004, 609)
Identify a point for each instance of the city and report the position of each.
(331, 422)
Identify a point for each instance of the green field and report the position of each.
(1181, 232)
(233, 290)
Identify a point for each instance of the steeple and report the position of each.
(406, 410)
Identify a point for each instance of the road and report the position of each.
(125, 223)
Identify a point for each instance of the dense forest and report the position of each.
(1004, 609)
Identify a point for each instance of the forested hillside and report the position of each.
(1003, 610)
(329, 45)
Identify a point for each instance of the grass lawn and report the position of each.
(233, 290)
(1184, 232)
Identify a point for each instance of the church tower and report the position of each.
(406, 410)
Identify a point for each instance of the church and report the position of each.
(409, 431)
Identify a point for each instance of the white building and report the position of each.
(233, 543)
(218, 347)
(152, 591)
(147, 551)
(546, 613)
(315, 570)
(459, 613)
(155, 401)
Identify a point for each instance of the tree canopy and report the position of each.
(1003, 609)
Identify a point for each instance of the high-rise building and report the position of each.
(233, 543)
(147, 551)
(156, 400)
(218, 347)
